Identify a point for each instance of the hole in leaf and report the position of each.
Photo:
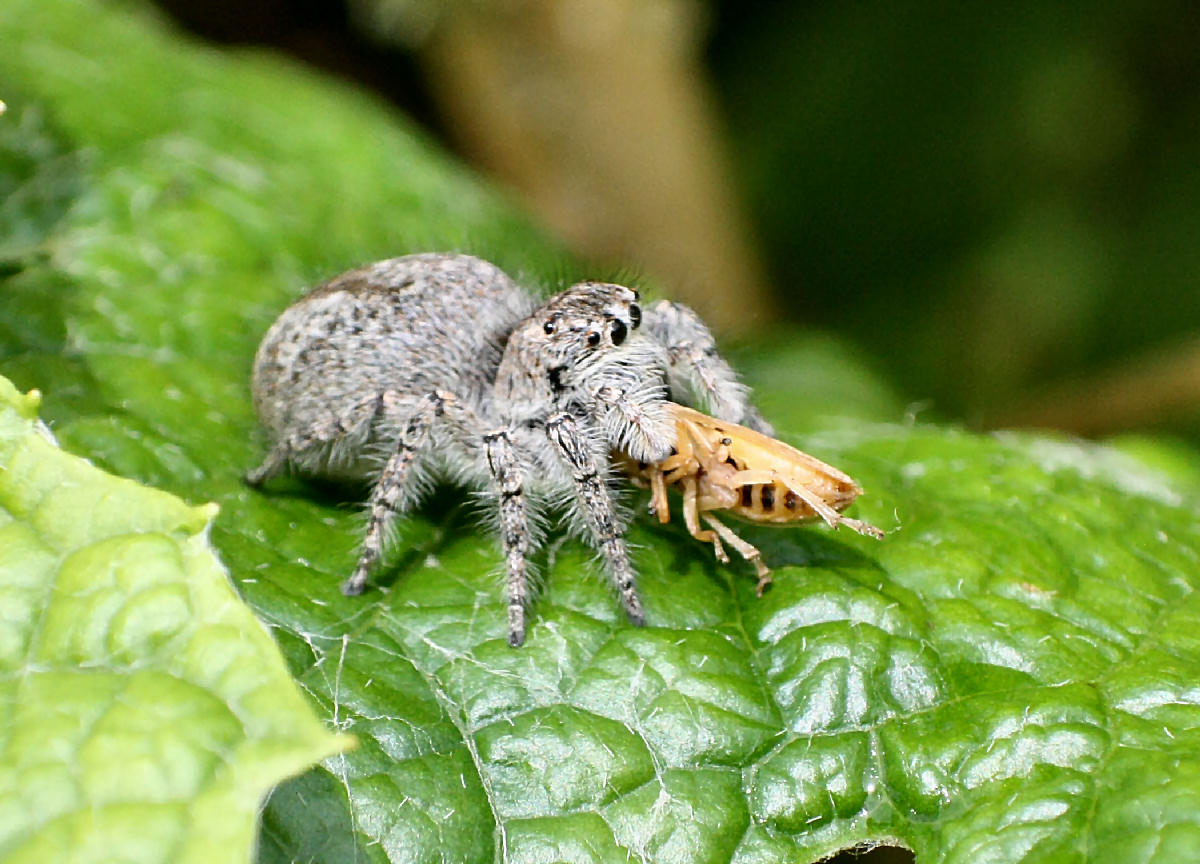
(873, 855)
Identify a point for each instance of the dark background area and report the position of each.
(995, 199)
(999, 205)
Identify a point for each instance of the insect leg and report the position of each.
(658, 499)
(514, 528)
(597, 506)
(691, 517)
(695, 365)
(683, 462)
(676, 461)
(831, 516)
(390, 488)
(864, 528)
(750, 553)
(328, 430)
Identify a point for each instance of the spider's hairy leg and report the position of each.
(572, 445)
(328, 430)
(637, 421)
(695, 364)
(388, 497)
(514, 528)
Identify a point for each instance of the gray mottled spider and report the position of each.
(440, 365)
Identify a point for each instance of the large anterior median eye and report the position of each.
(619, 331)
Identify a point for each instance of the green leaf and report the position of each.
(144, 713)
(1008, 676)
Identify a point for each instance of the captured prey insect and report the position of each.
(440, 365)
(718, 465)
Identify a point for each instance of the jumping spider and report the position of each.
(441, 365)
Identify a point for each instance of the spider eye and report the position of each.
(635, 316)
(619, 331)
(593, 338)
(548, 327)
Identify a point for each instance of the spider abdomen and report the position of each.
(405, 327)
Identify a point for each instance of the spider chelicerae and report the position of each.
(440, 365)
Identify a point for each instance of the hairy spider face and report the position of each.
(572, 346)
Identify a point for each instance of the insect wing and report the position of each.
(757, 452)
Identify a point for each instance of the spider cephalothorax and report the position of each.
(441, 363)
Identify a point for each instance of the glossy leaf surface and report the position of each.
(1008, 676)
(146, 712)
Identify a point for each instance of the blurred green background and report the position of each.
(996, 206)
(1000, 201)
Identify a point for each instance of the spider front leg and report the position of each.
(696, 366)
(514, 528)
(636, 419)
(392, 493)
(573, 447)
